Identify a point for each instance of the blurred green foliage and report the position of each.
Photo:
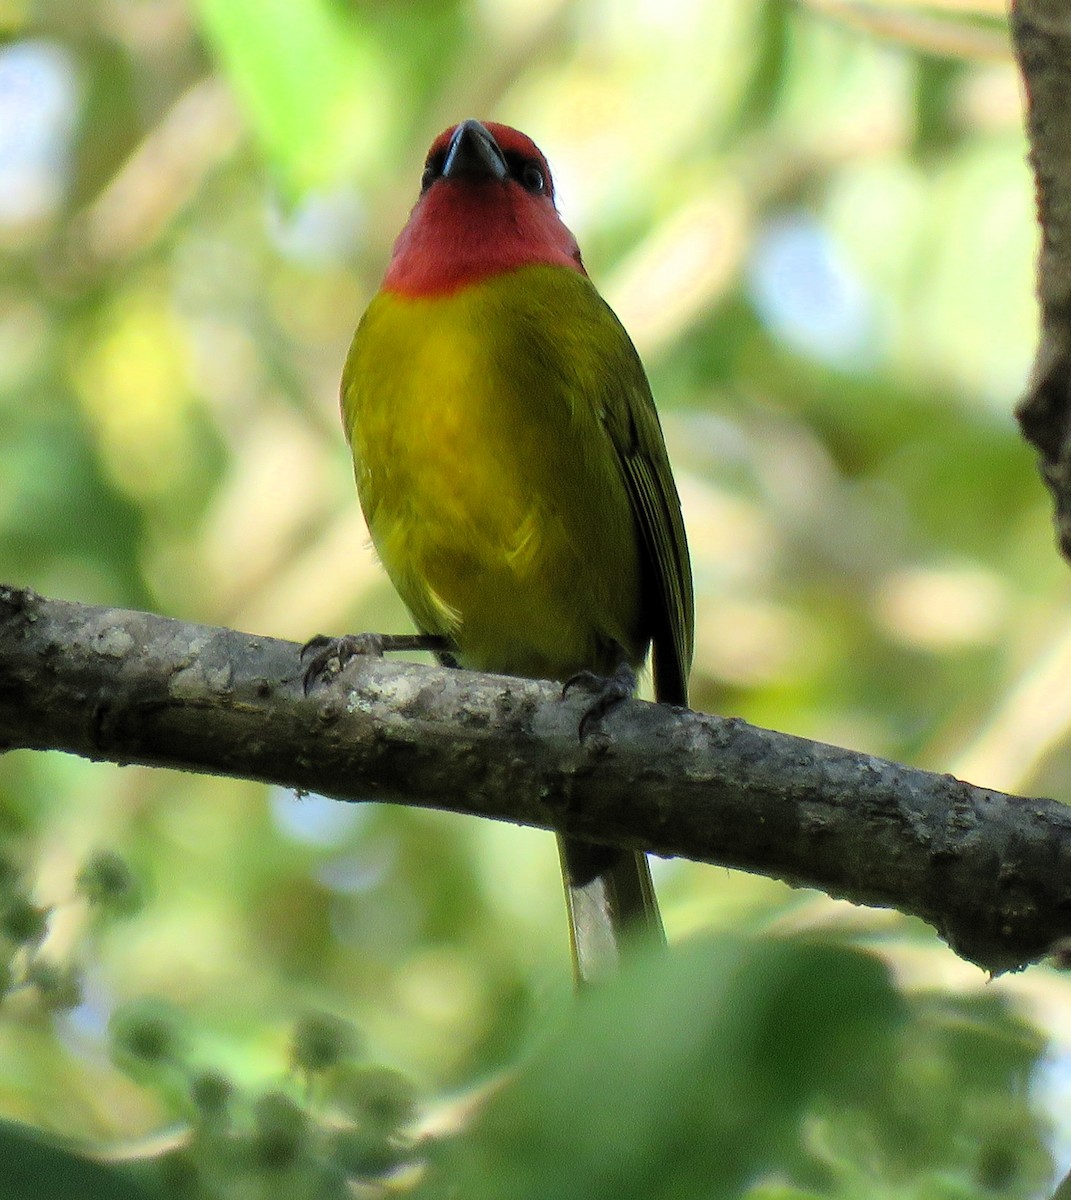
(817, 223)
(762, 1068)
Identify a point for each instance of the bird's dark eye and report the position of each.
(532, 178)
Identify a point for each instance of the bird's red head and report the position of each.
(486, 207)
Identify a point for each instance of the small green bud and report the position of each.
(108, 882)
(281, 1130)
(999, 1166)
(377, 1098)
(146, 1032)
(322, 1040)
(59, 984)
(211, 1092)
(23, 921)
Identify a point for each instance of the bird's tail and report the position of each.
(610, 898)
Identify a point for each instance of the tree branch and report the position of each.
(991, 872)
(1042, 33)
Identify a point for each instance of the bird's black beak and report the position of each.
(473, 154)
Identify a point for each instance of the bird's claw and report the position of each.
(330, 655)
(607, 691)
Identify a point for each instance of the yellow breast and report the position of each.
(492, 491)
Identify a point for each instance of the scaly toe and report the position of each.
(608, 691)
(330, 655)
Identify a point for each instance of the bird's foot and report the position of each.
(328, 656)
(607, 691)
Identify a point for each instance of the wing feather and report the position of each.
(631, 420)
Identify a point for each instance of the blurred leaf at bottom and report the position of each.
(768, 1068)
(35, 1168)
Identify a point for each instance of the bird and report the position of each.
(513, 473)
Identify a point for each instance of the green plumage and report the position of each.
(513, 473)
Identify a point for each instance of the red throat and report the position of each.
(462, 231)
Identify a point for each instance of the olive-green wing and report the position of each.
(631, 420)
